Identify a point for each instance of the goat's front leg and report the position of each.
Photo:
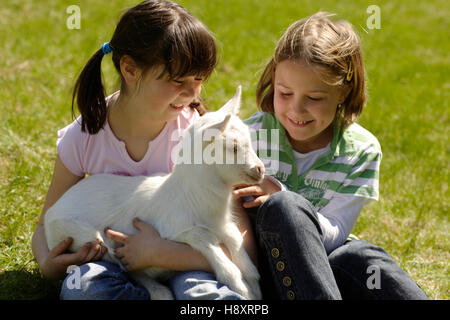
(226, 272)
(232, 239)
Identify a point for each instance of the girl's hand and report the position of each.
(57, 261)
(261, 192)
(140, 250)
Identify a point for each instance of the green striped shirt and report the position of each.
(350, 167)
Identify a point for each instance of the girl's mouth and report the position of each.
(177, 106)
(299, 124)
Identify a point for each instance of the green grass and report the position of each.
(407, 64)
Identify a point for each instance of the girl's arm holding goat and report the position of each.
(54, 263)
(147, 249)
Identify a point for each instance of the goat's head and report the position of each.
(222, 141)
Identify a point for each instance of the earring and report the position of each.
(339, 105)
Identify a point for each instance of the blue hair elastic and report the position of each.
(106, 48)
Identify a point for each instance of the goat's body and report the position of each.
(109, 201)
(191, 205)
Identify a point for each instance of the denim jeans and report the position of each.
(102, 280)
(294, 263)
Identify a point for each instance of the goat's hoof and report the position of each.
(161, 294)
(254, 290)
(256, 294)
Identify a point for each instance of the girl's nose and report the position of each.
(191, 90)
(300, 106)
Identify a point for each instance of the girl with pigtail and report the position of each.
(162, 54)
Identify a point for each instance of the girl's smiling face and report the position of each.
(305, 105)
(165, 98)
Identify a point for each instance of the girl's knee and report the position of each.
(100, 280)
(360, 255)
(200, 285)
(283, 210)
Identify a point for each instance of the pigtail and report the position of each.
(90, 95)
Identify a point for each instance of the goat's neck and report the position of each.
(206, 191)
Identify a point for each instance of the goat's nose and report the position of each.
(260, 170)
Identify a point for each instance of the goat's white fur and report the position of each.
(192, 205)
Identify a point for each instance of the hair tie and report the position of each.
(349, 73)
(106, 48)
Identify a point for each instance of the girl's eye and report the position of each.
(314, 99)
(178, 82)
(286, 94)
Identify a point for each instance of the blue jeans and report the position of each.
(294, 263)
(104, 280)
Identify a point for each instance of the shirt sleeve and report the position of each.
(70, 144)
(363, 179)
(359, 188)
(338, 218)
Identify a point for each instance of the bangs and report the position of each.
(190, 50)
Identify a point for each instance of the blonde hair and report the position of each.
(334, 50)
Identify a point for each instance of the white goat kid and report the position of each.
(192, 204)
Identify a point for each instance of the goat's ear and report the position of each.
(234, 104)
(224, 123)
(220, 126)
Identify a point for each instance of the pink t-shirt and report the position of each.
(83, 153)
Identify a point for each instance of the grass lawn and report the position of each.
(407, 63)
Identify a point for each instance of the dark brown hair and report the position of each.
(333, 48)
(153, 33)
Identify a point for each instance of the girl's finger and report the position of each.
(248, 191)
(94, 250)
(118, 253)
(74, 258)
(124, 263)
(99, 254)
(240, 186)
(79, 257)
(139, 224)
(61, 247)
(145, 227)
(116, 236)
(256, 202)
